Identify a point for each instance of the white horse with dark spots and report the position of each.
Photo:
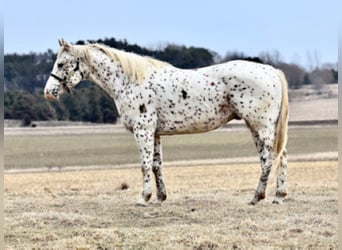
(155, 98)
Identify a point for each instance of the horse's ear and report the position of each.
(60, 41)
(64, 44)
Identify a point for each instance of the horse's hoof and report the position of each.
(277, 201)
(161, 196)
(141, 202)
(252, 203)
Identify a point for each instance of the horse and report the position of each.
(154, 99)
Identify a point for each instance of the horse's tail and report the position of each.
(280, 139)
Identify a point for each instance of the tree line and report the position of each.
(26, 75)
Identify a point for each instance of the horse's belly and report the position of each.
(198, 121)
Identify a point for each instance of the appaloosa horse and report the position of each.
(154, 99)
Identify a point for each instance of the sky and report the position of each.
(297, 29)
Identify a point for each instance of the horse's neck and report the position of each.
(106, 73)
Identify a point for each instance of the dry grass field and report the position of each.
(206, 209)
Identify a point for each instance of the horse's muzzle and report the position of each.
(50, 96)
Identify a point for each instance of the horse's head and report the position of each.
(65, 74)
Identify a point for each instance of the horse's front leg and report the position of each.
(157, 170)
(145, 142)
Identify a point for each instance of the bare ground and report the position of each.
(206, 209)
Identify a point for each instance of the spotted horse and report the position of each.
(155, 98)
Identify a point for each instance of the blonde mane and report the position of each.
(135, 66)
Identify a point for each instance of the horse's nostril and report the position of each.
(49, 96)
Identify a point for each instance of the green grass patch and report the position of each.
(33, 151)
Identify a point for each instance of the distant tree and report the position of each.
(26, 121)
(319, 77)
(295, 75)
(335, 75)
(28, 72)
(314, 59)
(186, 58)
(240, 56)
(20, 105)
(92, 112)
(108, 109)
(61, 111)
(272, 58)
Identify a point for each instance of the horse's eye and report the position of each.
(60, 65)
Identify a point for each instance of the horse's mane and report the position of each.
(135, 66)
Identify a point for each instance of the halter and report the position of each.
(64, 81)
(61, 81)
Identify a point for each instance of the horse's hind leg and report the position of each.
(281, 179)
(157, 169)
(264, 143)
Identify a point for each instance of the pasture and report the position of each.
(206, 206)
(93, 148)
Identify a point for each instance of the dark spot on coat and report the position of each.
(142, 108)
(184, 94)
